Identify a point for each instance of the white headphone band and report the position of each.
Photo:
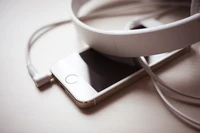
(141, 42)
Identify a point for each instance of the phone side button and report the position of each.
(72, 79)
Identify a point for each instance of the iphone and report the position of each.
(88, 77)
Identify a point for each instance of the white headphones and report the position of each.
(142, 42)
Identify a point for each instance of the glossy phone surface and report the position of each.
(99, 71)
(89, 77)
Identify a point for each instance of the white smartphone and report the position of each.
(89, 77)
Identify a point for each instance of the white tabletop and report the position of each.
(26, 109)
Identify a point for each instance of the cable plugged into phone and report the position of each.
(40, 79)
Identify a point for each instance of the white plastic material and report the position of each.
(42, 79)
(141, 42)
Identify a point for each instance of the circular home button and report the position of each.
(71, 79)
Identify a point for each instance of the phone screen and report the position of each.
(101, 71)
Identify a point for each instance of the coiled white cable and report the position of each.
(156, 80)
(161, 82)
(146, 67)
(40, 78)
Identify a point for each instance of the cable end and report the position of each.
(42, 79)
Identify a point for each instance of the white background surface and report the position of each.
(27, 109)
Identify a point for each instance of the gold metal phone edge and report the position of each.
(127, 83)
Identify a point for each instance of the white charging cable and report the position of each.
(136, 22)
(40, 78)
(156, 80)
(161, 82)
(146, 67)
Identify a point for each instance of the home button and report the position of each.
(71, 79)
